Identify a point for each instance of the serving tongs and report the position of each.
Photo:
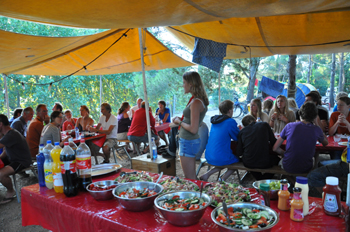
(226, 212)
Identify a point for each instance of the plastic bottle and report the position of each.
(73, 145)
(301, 182)
(331, 197)
(283, 196)
(296, 210)
(84, 165)
(48, 165)
(56, 168)
(69, 171)
(264, 190)
(40, 159)
(77, 134)
(154, 150)
(258, 119)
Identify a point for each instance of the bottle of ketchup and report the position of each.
(331, 197)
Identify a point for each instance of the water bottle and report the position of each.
(73, 145)
(69, 171)
(84, 165)
(154, 150)
(348, 151)
(48, 164)
(40, 159)
(77, 134)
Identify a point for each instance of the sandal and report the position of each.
(7, 199)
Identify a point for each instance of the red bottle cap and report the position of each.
(66, 144)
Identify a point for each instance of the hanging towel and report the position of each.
(209, 53)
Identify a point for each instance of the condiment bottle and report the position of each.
(296, 210)
(283, 196)
(302, 183)
(264, 194)
(331, 197)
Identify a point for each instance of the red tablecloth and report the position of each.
(57, 212)
(163, 127)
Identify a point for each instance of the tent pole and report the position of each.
(6, 96)
(145, 91)
(101, 91)
(219, 88)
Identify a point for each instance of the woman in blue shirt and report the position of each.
(164, 115)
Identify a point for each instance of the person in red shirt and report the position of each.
(339, 122)
(138, 129)
(70, 122)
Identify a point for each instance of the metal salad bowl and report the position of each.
(273, 193)
(137, 204)
(182, 218)
(102, 195)
(226, 228)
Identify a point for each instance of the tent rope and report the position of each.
(82, 68)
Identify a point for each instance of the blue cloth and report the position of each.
(209, 53)
(218, 151)
(189, 148)
(335, 109)
(166, 111)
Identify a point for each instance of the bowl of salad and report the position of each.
(245, 217)
(137, 196)
(182, 208)
(275, 186)
(102, 190)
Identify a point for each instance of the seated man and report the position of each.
(34, 129)
(109, 124)
(254, 142)
(16, 113)
(301, 141)
(138, 129)
(218, 151)
(136, 107)
(16, 156)
(20, 123)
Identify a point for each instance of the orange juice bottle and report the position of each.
(296, 210)
(283, 196)
(56, 168)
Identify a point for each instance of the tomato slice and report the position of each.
(255, 211)
(194, 207)
(176, 197)
(253, 226)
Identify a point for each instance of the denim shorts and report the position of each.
(189, 148)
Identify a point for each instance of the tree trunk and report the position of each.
(292, 88)
(310, 70)
(331, 94)
(254, 65)
(341, 70)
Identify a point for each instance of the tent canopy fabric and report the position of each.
(263, 34)
(36, 55)
(111, 14)
(302, 90)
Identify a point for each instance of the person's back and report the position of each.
(254, 142)
(300, 148)
(33, 135)
(139, 124)
(218, 151)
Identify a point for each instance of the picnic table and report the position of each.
(56, 212)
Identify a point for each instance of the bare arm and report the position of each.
(165, 117)
(325, 140)
(196, 108)
(107, 132)
(276, 147)
(95, 129)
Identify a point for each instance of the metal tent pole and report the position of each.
(145, 91)
(101, 91)
(6, 96)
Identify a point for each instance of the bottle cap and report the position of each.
(301, 180)
(264, 187)
(57, 143)
(48, 142)
(41, 145)
(284, 181)
(70, 140)
(297, 190)
(82, 140)
(66, 143)
(331, 180)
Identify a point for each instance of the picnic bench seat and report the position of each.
(239, 166)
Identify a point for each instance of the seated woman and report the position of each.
(124, 122)
(164, 115)
(292, 105)
(84, 121)
(280, 114)
(255, 110)
(218, 151)
(52, 130)
(70, 122)
(301, 141)
(267, 106)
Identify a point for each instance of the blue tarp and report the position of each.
(275, 88)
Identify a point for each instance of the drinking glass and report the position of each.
(337, 138)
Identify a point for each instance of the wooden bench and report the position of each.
(240, 166)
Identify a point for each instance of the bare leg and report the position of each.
(227, 174)
(106, 152)
(206, 176)
(163, 136)
(5, 180)
(188, 165)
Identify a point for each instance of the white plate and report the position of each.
(102, 169)
(343, 143)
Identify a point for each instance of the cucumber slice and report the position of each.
(265, 214)
(247, 222)
(254, 215)
(195, 201)
(220, 211)
(179, 209)
(238, 222)
(246, 211)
